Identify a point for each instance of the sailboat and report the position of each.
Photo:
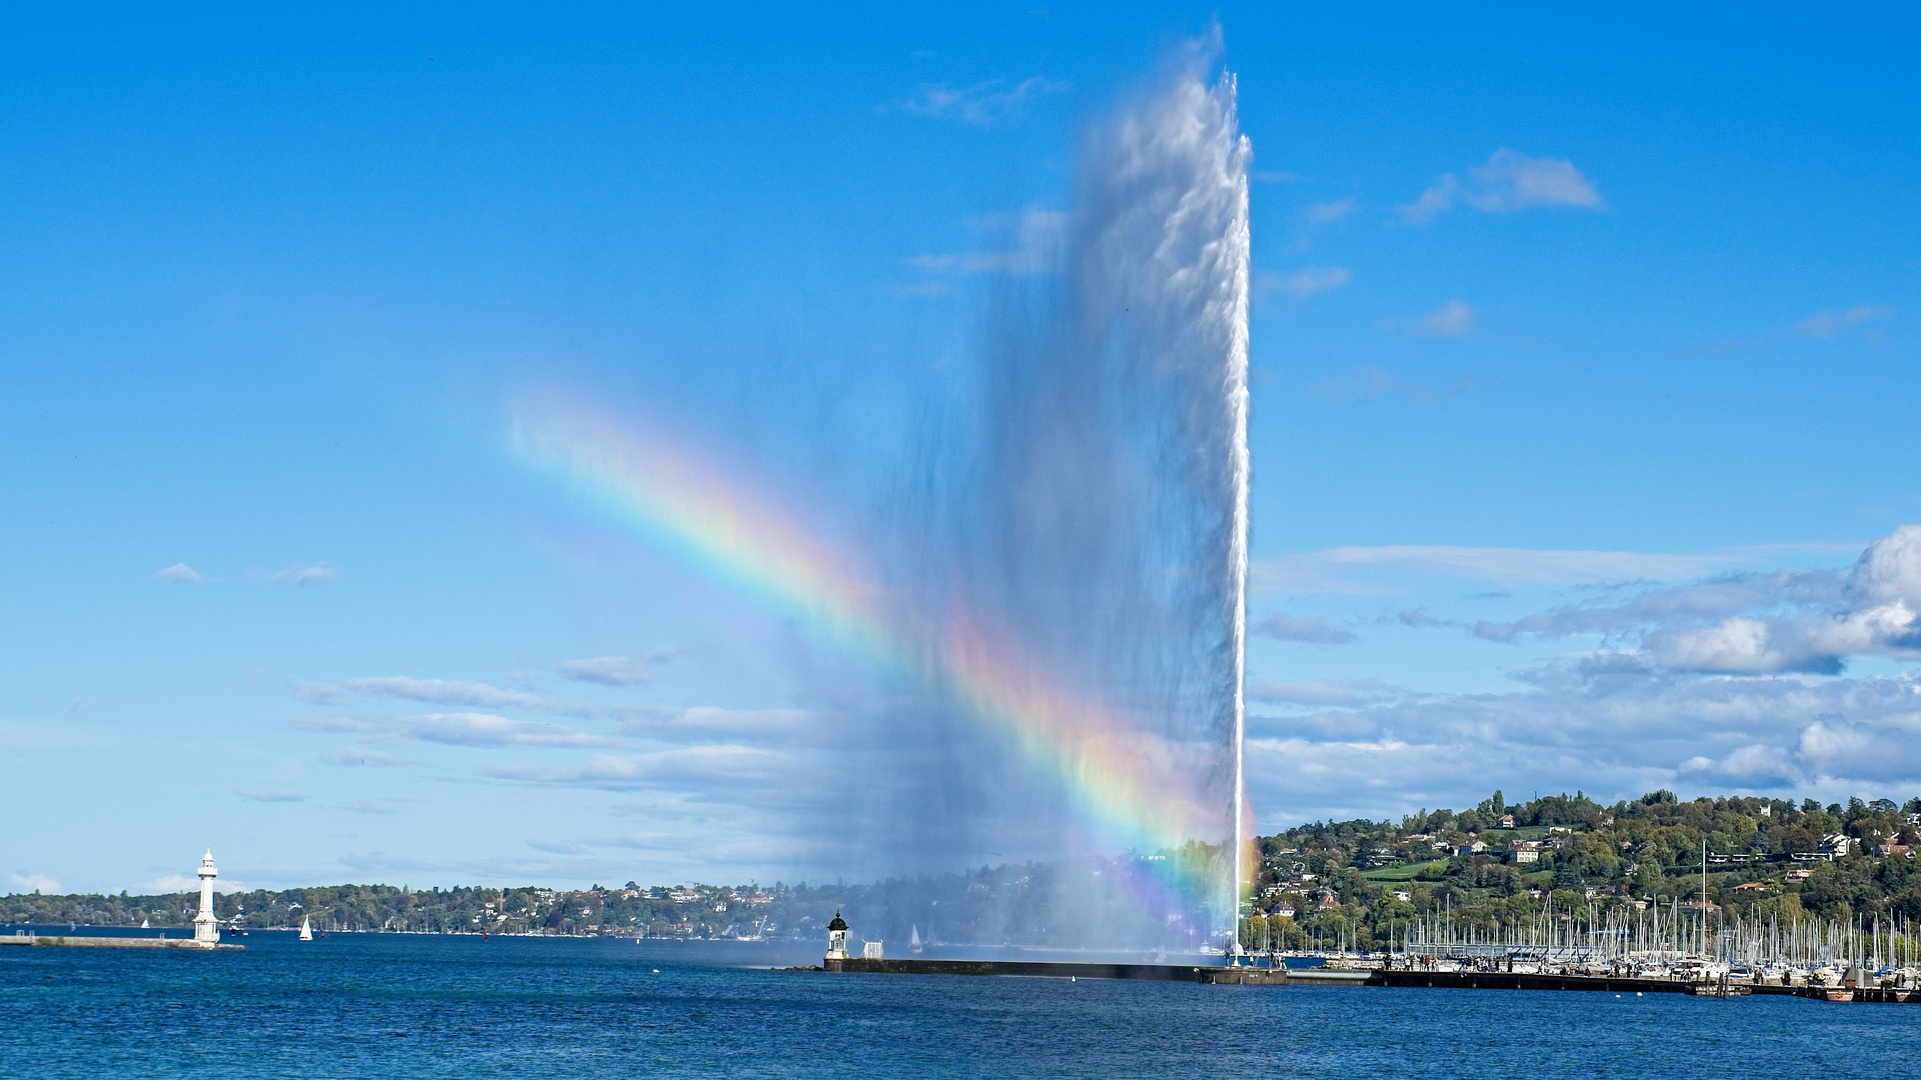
(144, 926)
(913, 943)
(306, 928)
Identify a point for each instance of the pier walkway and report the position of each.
(71, 942)
(1061, 970)
(1455, 980)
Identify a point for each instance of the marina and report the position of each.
(1606, 954)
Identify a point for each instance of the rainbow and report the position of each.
(1121, 780)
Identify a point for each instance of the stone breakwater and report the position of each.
(65, 941)
(1061, 970)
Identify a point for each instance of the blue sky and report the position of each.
(1584, 358)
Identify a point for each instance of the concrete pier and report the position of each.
(1062, 970)
(1500, 980)
(71, 942)
(1440, 980)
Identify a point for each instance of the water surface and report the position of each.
(373, 1005)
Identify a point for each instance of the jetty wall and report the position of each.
(66, 942)
(1449, 980)
(1062, 970)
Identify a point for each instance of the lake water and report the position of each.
(369, 1005)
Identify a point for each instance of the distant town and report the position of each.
(1495, 866)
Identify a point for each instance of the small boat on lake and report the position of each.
(306, 928)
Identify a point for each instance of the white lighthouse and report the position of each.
(206, 928)
(837, 939)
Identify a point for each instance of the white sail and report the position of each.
(306, 928)
(144, 926)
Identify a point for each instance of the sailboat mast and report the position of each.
(1704, 898)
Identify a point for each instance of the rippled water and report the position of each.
(367, 1005)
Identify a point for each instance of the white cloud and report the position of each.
(1748, 624)
(1889, 571)
(1834, 745)
(1508, 182)
(607, 671)
(316, 693)
(1692, 604)
(1419, 618)
(179, 573)
(1030, 240)
(487, 696)
(302, 574)
(1322, 213)
(1615, 733)
(1451, 319)
(1433, 202)
(1744, 767)
(443, 692)
(40, 883)
(1311, 281)
(175, 883)
(1826, 324)
(1512, 181)
(354, 757)
(1286, 627)
(1882, 617)
(1738, 646)
(1517, 566)
(679, 769)
(457, 729)
(705, 722)
(982, 104)
(1323, 692)
(1822, 324)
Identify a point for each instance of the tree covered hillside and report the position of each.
(1497, 865)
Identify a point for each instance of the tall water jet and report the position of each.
(1097, 512)
(1054, 602)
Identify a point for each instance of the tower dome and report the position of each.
(837, 939)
